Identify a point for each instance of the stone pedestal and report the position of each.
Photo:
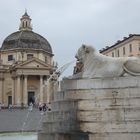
(95, 109)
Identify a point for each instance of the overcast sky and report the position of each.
(67, 24)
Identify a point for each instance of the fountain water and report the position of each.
(54, 76)
(17, 136)
(25, 121)
(39, 122)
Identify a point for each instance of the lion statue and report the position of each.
(96, 65)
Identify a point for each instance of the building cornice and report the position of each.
(121, 42)
(25, 49)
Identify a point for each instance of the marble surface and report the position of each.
(96, 65)
(94, 109)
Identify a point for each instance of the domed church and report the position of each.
(26, 62)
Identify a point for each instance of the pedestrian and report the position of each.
(10, 107)
(40, 107)
(44, 107)
(30, 107)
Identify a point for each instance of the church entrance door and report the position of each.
(31, 97)
(9, 100)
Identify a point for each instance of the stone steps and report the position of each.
(99, 94)
(119, 127)
(58, 116)
(120, 115)
(105, 115)
(101, 83)
(114, 136)
(64, 105)
(60, 127)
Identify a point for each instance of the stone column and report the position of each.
(41, 88)
(48, 91)
(1, 90)
(25, 94)
(13, 91)
(18, 94)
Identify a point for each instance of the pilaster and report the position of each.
(25, 90)
(18, 94)
(1, 88)
(41, 88)
(13, 91)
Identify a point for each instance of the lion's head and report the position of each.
(83, 52)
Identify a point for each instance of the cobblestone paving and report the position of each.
(20, 120)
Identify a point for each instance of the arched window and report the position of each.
(46, 59)
(26, 24)
(30, 56)
(118, 53)
(130, 47)
(22, 24)
(139, 46)
(112, 54)
(123, 50)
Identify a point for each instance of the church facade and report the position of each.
(26, 62)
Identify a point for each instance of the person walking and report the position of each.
(30, 107)
(10, 107)
(40, 107)
(44, 107)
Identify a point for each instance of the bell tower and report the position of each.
(25, 22)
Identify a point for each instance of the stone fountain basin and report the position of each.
(18, 136)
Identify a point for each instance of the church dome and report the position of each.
(25, 38)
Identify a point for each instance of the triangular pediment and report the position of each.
(33, 63)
